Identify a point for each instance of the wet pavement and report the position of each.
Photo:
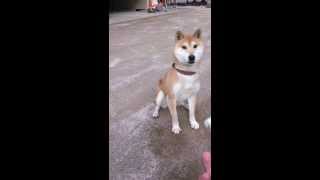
(140, 51)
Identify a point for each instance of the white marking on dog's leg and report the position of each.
(164, 104)
(192, 108)
(207, 122)
(172, 104)
(159, 99)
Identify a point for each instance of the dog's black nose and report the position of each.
(191, 59)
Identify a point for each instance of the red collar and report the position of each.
(189, 73)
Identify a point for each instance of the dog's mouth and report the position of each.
(190, 63)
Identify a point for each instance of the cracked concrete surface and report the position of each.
(141, 147)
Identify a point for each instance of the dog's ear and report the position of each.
(197, 34)
(179, 35)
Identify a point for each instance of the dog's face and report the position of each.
(189, 48)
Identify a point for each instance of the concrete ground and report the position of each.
(140, 51)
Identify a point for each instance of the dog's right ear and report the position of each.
(197, 34)
(179, 35)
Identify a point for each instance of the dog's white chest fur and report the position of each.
(186, 86)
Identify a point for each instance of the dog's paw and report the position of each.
(207, 123)
(176, 129)
(194, 124)
(155, 114)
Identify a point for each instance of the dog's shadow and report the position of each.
(179, 154)
(163, 142)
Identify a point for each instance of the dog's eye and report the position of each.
(195, 46)
(184, 47)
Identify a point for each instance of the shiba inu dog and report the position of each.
(181, 84)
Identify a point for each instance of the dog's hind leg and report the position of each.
(164, 104)
(159, 100)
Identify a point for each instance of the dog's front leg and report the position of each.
(192, 109)
(172, 104)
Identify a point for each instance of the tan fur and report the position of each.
(167, 82)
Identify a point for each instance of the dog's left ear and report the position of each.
(179, 35)
(197, 34)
